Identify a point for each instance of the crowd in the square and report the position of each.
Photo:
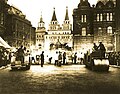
(114, 58)
(60, 57)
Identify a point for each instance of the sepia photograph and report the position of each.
(59, 46)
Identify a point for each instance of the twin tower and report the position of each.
(56, 34)
(54, 25)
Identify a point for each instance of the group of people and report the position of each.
(114, 58)
(5, 57)
(22, 55)
(62, 58)
(59, 58)
(101, 49)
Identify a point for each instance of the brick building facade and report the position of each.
(92, 24)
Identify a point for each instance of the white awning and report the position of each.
(4, 44)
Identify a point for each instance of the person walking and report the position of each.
(64, 58)
(42, 59)
(75, 58)
(56, 59)
(59, 59)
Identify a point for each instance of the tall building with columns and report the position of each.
(59, 36)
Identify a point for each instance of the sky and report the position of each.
(34, 8)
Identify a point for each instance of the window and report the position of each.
(2, 18)
(83, 18)
(109, 30)
(100, 17)
(109, 16)
(99, 31)
(83, 31)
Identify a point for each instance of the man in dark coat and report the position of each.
(64, 58)
(42, 58)
(102, 49)
(95, 47)
(75, 58)
(20, 54)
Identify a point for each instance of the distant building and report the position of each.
(97, 23)
(59, 36)
(19, 30)
(3, 12)
(40, 32)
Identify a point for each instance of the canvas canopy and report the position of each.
(4, 44)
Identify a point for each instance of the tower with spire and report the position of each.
(40, 32)
(54, 23)
(41, 23)
(66, 24)
(58, 35)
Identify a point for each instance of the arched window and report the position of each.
(109, 30)
(83, 31)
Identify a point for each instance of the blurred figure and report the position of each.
(75, 58)
(72, 57)
(59, 59)
(64, 58)
(56, 59)
(50, 60)
(102, 49)
(95, 47)
(20, 54)
(26, 55)
(42, 59)
(118, 59)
